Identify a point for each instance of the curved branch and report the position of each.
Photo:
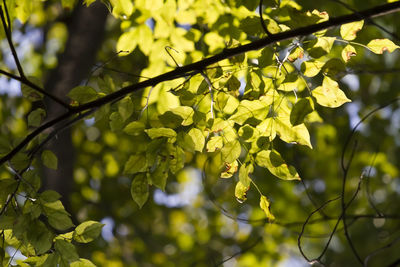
(198, 66)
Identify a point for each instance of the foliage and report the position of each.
(235, 98)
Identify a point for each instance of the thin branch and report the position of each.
(9, 39)
(198, 66)
(260, 11)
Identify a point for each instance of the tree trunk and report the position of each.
(85, 34)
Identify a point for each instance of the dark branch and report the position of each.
(197, 67)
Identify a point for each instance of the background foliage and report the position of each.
(256, 160)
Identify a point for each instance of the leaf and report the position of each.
(378, 46)
(244, 172)
(83, 94)
(230, 169)
(321, 46)
(198, 139)
(50, 196)
(82, 263)
(300, 110)
(134, 128)
(140, 189)
(186, 113)
(215, 143)
(241, 192)
(265, 206)
(57, 216)
(135, 164)
(89, 2)
(160, 175)
(87, 231)
(312, 67)
(273, 161)
(122, 8)
(125, 107)
(49, 159)
(231, 151)
(160, 132)
(68, 4)
(36, 117)
(349, 31)
(66, 250)
(116, 121)
(249, 109)
(289, 133)
(40, 237)
(329, 94)
(127, 42)
(348, 52)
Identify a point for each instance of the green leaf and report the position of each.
(57, 216)
(89, 2)
(116, 121)
(28, 92)
(241, 192)
(186, 113)
(244, 172)
(36, 117)
(160, 132)
(23, 10)
(273, 161)
(40, 237)
(231, 151)
(87, 231)
(125, 107)
(311, 68)
(82, 263)
(300, 110)
(378, 46)
(122, 8)
(50, 196)
(66, 250)
(289, 133)
(49, 159)
(135, 164)
(348, 52)
(250, 109)
(349, 31)
(198, 139)
(160, 175)
(329, 94)
(134, 128)
(321, 46)
(230, 169)
(215, 143)
(140, 189)
(185, 141)
(83, 94)
(265, 206)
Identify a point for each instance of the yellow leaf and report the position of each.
(348, 52)
(329, 94)
(378, 46)
(348, 31)
(265, 206)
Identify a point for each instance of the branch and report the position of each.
(197, 67)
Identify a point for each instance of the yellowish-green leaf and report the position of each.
(82, 263)
(125, 107)
(23, 9)
(134, 128)
(89, 2)
(87, 231)
(230, 169)
(241, 192)
(265, 206)
(49, 159)
(198, 139)
(160, 132)
(250, 109)
(135, 164)
(289, 133)
(122, 8)
(348, 52)
(378, 46)
(273, 161)
(329, 94)
(127, 42)
(349, 31)
(231, 151)
(215, 143)
(312, 67)
(140, 189)
(186, 113)
(66, 250)
(300, 110)
(321, 46)
(244, 172)
(83, 94)
(36, 117)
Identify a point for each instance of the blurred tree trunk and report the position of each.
(85, 34)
